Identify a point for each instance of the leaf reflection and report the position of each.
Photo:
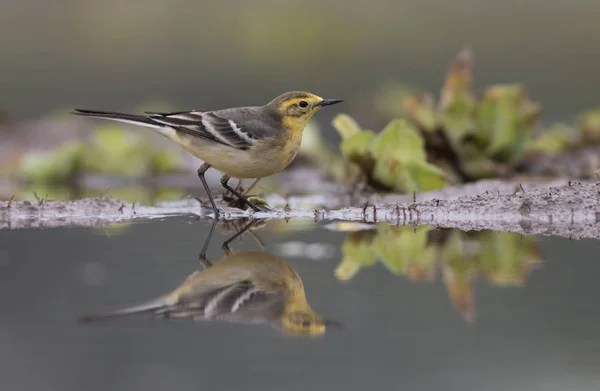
(502, 258)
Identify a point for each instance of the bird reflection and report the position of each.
(251, 287)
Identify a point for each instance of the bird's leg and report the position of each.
(226, 243)
(224, 181)
(202, 257)
(201, 172)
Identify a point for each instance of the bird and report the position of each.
(248, 287)
(241, 142)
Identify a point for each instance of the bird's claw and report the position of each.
(203, 203)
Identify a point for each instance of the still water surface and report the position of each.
(424, 309)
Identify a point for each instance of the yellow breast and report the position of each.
(265, 158)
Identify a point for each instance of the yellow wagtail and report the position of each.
(251, 287)
(241, 142)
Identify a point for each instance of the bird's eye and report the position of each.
(303, 103)
(305, 323)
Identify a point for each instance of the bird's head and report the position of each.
(297, 107)
(306, 323)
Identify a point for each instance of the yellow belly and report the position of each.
(267, 158)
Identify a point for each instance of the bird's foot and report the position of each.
(258, 204)
(203, 203)
(262, 208)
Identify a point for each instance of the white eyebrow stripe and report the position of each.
(238, 131)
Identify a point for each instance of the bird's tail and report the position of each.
(148, 306)
(120, 117)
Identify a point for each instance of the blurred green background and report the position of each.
(198, 54)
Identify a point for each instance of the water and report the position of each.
(470, 327)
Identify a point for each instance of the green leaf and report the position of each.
(553, 141)
(503, 131)
(52, 166)
(420, 110)
(258, 201)
(458, 119)
(589, 126)
(345, 125)
(401, 161)
(401, 140)
(164, 162)
(506, 118)
(427, 177)
(358, 145)
(117, 152)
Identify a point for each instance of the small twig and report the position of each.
(106, 189)
(39, 200)
(572, 217)
(252, 186)
(238, 187)
(258, 240)
(364, 211)
(12, 197)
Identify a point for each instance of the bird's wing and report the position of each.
(216, 126)
(241, 302)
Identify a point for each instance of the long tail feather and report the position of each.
(120, 117)
(149, 306)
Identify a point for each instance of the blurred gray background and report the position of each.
(116, 54)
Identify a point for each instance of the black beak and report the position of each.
(333, 324)
(329, 102)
